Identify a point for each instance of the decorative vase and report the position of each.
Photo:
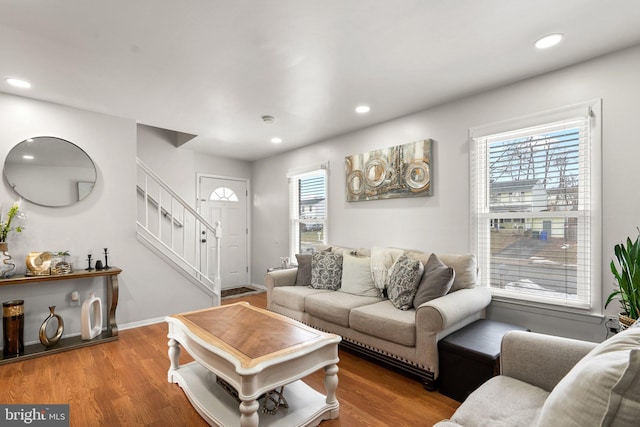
(7, 268)
(46, 340)
(60, 265)
(13, 327)
(91, 317)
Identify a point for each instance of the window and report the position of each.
(535, 197)
(223, 194)
(308, 210)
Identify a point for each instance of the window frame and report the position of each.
(480, 200)
(294, 177)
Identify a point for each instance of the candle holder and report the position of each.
(89, 268)
(106, 263)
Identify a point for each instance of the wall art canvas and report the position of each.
(388, 173)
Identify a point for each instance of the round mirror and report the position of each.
(50, 171)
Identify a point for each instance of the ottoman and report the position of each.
(471, 356)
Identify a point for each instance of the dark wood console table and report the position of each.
(111, 334)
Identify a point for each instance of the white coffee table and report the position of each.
(255, 351)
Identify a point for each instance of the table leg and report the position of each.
(174, 358)
(249, 413)
(331, 382)
(112, 297)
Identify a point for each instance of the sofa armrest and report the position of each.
(441, 316)
(538, 359)
(441, 313)
(275, 278)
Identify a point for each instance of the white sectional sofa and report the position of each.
(371, 323)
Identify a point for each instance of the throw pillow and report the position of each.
(326, 270)
(436, 281)
(602, 389)
(404, 277)
(303, 276)
(356, 276)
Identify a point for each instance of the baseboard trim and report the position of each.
(140, 323)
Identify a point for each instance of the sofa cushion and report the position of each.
(303, 276)
(384, 321)
(293, 296)
(601, 389)
(465, 267)
(404, 277)
(326, 270)
(356, 276)
(436, 281)
(334, 306)
(502, 402)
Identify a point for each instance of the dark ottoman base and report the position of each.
(471, 356)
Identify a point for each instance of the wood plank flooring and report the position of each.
(124, 383)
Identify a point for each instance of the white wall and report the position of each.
(149, 288)
(179, 167)
(441, 223)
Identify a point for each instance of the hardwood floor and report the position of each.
(124, 383)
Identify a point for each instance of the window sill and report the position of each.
(540, 308)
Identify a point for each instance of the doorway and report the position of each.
(225, 199)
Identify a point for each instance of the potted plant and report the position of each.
(7, 266)
(627, 275)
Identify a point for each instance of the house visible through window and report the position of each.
(308, 210)
(535, 191)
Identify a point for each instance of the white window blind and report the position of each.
(308, 209)
(535, 223)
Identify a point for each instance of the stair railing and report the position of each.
(175, 231)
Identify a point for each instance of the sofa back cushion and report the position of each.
(465, 267)
(356, 276)
(602, 389)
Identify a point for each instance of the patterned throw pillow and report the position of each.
(404, 278)
(326, 270)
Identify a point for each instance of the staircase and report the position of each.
(173, 230)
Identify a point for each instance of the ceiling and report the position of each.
(212, 68)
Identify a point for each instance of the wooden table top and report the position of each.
(250, 333)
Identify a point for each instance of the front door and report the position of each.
(225, 200)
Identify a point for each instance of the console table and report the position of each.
(111, 334)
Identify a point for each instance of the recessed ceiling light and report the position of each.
(276, 140)
(27, 157)
(18, 83)
(362, 109)
(549, 40)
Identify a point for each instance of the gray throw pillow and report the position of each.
(404, 278)
(326, 270)
(303, 277)
(436, 281)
